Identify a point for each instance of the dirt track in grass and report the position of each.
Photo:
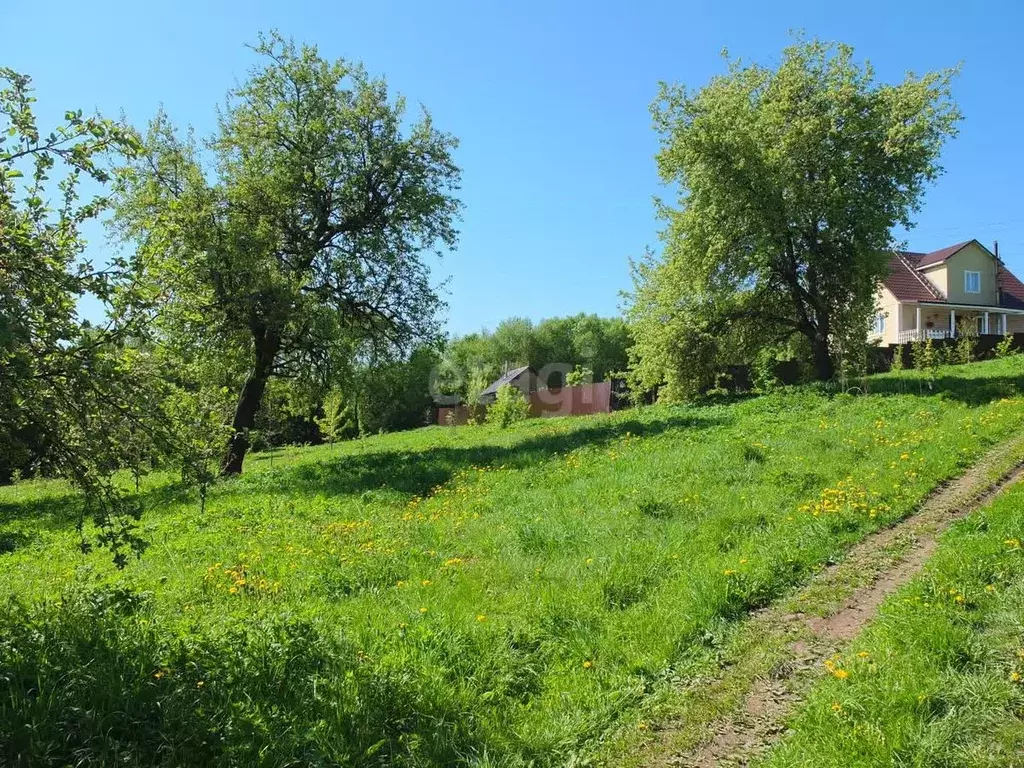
(829, 612)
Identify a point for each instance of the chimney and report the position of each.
(995, 249)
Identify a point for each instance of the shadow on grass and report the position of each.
(973, 391)
(417, 472)
(58, 512)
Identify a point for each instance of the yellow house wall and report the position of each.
(949, 276)
(886, 303)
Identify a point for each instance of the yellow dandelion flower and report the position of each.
(588, 664)
(837, 707)
(481, 617)
(423, 610)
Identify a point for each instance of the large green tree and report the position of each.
(296, 233)
(791, 180)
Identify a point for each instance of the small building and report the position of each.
(524, 379)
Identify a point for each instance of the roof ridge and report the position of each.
(928, 284)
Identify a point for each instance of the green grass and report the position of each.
(456, 596)
(936, 680)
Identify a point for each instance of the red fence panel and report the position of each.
(572, 401)
(566, 401)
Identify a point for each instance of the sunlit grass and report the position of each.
(457, 595)
(938, 678)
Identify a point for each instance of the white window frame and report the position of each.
(967, 281)
(880, 323)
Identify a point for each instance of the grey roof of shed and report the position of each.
(506, 378)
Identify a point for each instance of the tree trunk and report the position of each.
(823, 367)
(249, 404)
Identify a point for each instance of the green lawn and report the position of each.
(938, 678)
(456, 595)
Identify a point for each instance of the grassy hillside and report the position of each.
(460, 595)
(938, 678)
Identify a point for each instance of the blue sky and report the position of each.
(550, 102)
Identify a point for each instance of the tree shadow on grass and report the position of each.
(61, 511)
(972, 391)
(417, 472)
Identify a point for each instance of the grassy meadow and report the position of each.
(938, 678)
(458, 596)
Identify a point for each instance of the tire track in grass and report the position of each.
(793, 639)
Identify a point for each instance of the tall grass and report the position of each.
(456, 596)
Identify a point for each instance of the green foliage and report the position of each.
(1005, 347)
(339, 419)
(579, 376)
(76, 400)
(925, 358)
(791, 180)
(292, 246)
(572, 572)
(966, 342)
(897, 364)
(509, 407)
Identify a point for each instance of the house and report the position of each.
(936, 295)
(524, 379)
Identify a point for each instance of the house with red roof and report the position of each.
(964, 288)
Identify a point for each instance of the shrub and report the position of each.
(509, 407)
(579, 376)
(1005, 347)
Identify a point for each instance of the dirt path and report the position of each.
(824, 616)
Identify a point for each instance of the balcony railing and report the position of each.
(903, 337)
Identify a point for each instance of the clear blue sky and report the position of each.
(550, 102)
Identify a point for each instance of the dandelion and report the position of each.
(588, 664)
(200, 684)
(590, 560)
(481, 618)
(426, 582)
(1015, 676)
(729, 572)
(423, 610)
(837, 707)
(841, 674)
(863, 655)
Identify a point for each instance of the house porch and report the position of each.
(922, 321)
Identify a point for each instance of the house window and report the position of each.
(972, 282)
(880, 323)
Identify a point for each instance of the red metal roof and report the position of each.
(906, 283)
(1011, 289)
(936, 257)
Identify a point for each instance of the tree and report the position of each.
(298, 237)
(790, 183)
(76, 400)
